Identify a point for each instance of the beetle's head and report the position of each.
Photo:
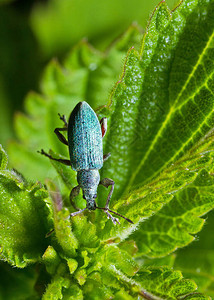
(90, 199)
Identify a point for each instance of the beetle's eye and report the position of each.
(95, 196)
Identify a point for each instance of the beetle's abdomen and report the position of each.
(85, 138)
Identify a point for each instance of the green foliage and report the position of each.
(160, 136)
(197, 260)
(87, 73)
(17, 283)
(164, 110)
(176, 223)
(167, 284)
(23, 226)
(100, 22)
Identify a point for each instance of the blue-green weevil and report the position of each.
(85, 134)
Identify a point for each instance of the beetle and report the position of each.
(85, 134)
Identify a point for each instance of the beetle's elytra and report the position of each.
(85, 139)
(85, 134)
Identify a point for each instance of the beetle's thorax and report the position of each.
(89, 180)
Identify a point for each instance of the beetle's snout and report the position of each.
(91, 204)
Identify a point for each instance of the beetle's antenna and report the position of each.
(114, 212)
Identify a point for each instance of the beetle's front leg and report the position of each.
(74, 192)
(103, 124)
(61, 136)
(63, 161)
(58, 133)
(63, 118)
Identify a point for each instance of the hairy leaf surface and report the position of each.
(160, 120)
(24, 215)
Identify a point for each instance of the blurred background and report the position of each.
(33, 32)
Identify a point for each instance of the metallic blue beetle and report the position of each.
(85, 134)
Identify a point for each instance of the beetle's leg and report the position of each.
(63, 161)
(103, 123)
(106, 156)
(61, 136)
(77, 212)
(74, 192)
(57, 130)
(106, 182)
(109, 216)
(63, 118)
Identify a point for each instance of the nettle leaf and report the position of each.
(167, 284)
(176, 223)
(161, 141)
(17, 283)
(164, 102)
(197, 260)
(169, 189)
(159, 111)
(24, 214)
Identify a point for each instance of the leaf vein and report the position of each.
(184, 145)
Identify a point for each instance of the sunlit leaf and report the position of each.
(24, 214)
(160, 120)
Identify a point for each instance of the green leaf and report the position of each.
(197, 260)
(177, 222)
(162, 107)
(24, 215)
(51, 259)
(62, 228)
(161, 141)
(85, 231)
(156, 127)
(54, 290)
(22, 281)
(167, 190)
(167, 284)
(3, 159)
